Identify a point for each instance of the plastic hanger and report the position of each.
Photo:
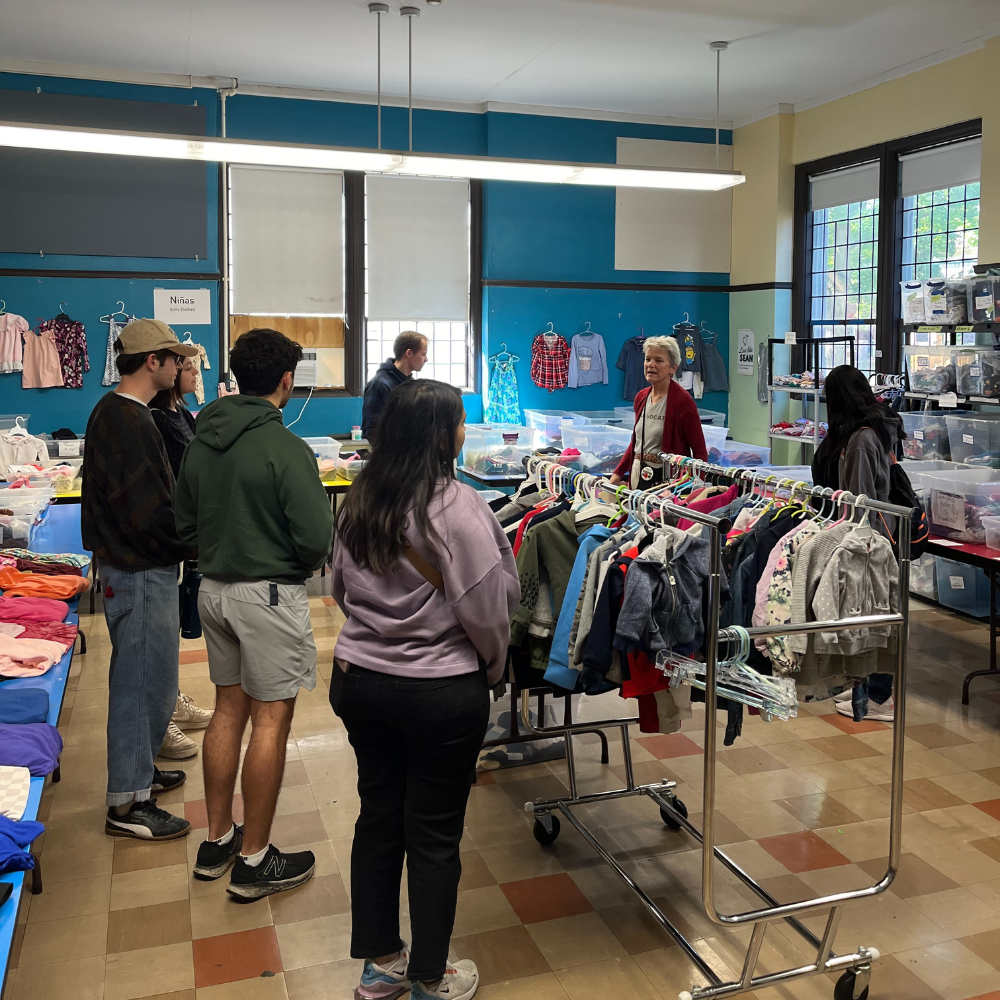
(18, 430)
(499, 356)
(588, 330)
(120, 311)
(3, 307)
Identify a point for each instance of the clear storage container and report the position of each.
(974, 438)
(797, 473)
(962, 587)
(327, 449)
(926, 436)
(497, 450)
(627, 414)
(944, 301)
(991, 524)
(931, 369)
(600, 417)
(9, 420)
(741, 455)
(958, 500)
(715, 442)
(549, 424)
(601, 447)
(912, 297)
(980, 300)
(491, 495)
(713, 417)
(923, 576)
(348, 468)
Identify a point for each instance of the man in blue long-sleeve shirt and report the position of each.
(409, 354)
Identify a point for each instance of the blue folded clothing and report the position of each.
(14, 838)
(21, 705)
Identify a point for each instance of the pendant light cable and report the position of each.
(410, 13)
(718, 48)
(378, 9)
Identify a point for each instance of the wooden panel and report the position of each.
(309, 331)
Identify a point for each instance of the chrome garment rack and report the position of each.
(855, 967)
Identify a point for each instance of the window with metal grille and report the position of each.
(941, 233)
(845, 281)
(447, 349)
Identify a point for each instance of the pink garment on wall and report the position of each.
(27, 657)
(12, 328)
(42, 368)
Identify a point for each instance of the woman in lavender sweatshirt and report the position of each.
(427, 582)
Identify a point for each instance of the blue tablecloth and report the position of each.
(59, 532)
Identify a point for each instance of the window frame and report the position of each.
(888, 339)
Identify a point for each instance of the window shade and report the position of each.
(287, 241)
(844, 187)
(941, 167)
(418, 248)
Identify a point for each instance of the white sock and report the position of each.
(228, 837)
(254, 859)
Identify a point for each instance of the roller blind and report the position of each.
(287, 241)
(941, 167)
(418, 248)
(844, 187)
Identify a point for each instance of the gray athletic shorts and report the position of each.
(267, 649)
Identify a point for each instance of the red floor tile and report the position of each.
(849, 726)
(231, 957)
(991, 807)
(329, 602)
(545, 898)
(674, 745)
(803, 852)
(193, 656)
(485, 778)
(197, 815)
(995, 995)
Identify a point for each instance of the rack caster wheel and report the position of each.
(672, 823)
(844, 990)
(543, 835)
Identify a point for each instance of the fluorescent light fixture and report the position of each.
(280, 154)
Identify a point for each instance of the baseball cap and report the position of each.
(143, 336)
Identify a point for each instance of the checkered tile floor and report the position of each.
(803, 806)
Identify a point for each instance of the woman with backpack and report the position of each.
(858, 455)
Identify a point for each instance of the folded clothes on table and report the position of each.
(14, 838)
(69, 558)
(15, 784)
(57, 632)
(22, 705)
(31, 585)
(36, 746)
(47, 569)
(32, 609)
(27, 657)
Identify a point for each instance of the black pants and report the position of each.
(417, 742)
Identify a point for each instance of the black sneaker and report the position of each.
(164, 781)
(145, 821)
(275, 873)
(214, 859)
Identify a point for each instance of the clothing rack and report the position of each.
(856, 966)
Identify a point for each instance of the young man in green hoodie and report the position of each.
(250, 501)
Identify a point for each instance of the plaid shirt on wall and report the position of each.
(550, 356)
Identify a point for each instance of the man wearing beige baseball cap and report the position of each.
(128, 523)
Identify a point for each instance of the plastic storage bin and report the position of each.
(980, 300)
(497, 451)
(600, 417)
(741, 455)
(991, 524)
(712, 417)
(912, 298)
(926, 436)
(601, 447)
(797, 473)
(73, 448)
(958, 500)
(931, 369)
(627, 414)
(964, 588)
(977, 371)
(974, 438)
(944, 301)
(923, 576)
(549, 424)
(490, 495)
(715, 442)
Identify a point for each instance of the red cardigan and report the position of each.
(682, 434)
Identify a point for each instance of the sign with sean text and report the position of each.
(182, 305)
(744, 363)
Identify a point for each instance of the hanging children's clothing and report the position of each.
(200, 361)
(21, 449)
(41, 367)
(632, 361)
(12, 329)
(550, 356)
(504, 406)
(588, 364)
(713, 368)
(111, 376)
(70, 339)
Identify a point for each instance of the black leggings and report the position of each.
(417, 743)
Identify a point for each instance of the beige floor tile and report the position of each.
(64, 940)
(75, 898)
(221, 914)
(481, 910)
(270, 988)
(578, 940)
(514, 862)
(616, 977)
(543, 987)
(82, 979)
(75, 863)
(960, 912)
(149, 887)
(670, 971)
(315, 942)
(859, 841)
(149, 972)
(833, 776)
(951, 969)
(323, 982)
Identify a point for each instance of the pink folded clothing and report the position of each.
(27, 657)
(32, 609)
(59, 632)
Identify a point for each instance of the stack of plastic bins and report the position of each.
(600, 417)
(712, 417)
(497, 451)
(974, 438)
(715, 442)
(931, 369)
(958, 500)
(741, 455)
(926, 436)
(626, 414)
(601, 447)
(549, 425)
(797, 473)
(963, 587)
(920, 474)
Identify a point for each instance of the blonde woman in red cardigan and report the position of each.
(666, 419)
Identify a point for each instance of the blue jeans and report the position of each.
(144, 623)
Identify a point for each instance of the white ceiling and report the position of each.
(646, 57)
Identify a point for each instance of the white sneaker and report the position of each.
(187, 715)
(875, 713)
(460, 982)
(177, 746)
(844, 695)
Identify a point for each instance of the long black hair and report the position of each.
(851, 405)
(412, 451)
